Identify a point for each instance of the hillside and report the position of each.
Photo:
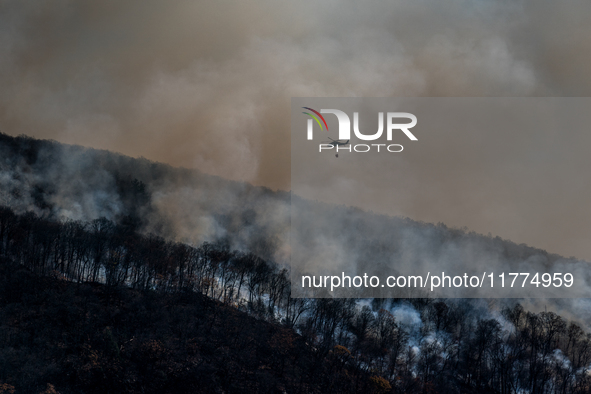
(94, 307)
(106, 225)
(92, 338)
(64, 182)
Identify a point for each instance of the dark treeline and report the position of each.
(81, 338)
(113, 254)
(450, 346)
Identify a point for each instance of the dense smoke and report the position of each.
(220, 75)
(73, 183)
(207, 85)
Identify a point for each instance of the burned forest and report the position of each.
(120, 275)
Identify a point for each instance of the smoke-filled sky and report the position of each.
(207, 84)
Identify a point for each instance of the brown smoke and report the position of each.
(207, 84)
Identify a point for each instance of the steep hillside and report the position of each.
(60, 182)
(92, 338)
(87, 304)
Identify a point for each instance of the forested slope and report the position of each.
(92, 338)
(94, 307)
(80, 226)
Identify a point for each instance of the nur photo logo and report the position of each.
(342, 143)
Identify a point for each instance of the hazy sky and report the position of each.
(207, 84)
